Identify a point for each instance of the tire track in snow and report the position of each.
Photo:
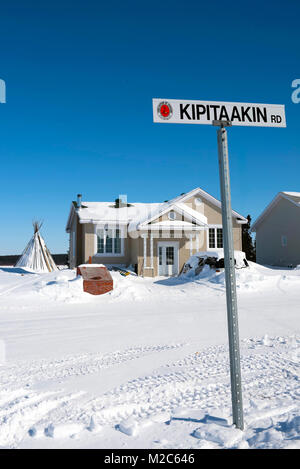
(199, 381)
(32, 372)
(21, 409)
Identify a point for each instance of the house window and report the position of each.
(283, 241)
(100, 241)
(215, 238)
(172, 215)
(117, 242)
(160, 255)
(109, 241)
(219, 238)
(170, 255)
(212, 238)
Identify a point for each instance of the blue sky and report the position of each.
(80, 78)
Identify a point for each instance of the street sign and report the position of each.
(178, 111)
(223, 114)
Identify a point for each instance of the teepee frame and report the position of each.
(36, 255)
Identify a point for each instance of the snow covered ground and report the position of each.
(146, 366)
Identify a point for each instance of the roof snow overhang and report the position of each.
(189, 215)
(86, 215)
(281, 195)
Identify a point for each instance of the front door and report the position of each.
(167, 258)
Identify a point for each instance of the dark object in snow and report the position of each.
(214, 261)
(123, 272)
(96, 279)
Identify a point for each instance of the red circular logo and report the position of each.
(164, 110)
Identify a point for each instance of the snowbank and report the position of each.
(214, 258)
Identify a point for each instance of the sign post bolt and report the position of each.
(229, 261)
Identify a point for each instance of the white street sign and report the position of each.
(177, 111)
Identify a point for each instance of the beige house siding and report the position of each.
(214, 217)
(76, 238)
(89, 242)
(134, 251)
(237, 236)
(283, 220)
(90, 249)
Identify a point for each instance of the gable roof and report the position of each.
(207, 197)
(181, 208)
(292, 197)
(138, 214)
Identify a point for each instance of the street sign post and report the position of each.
(222, 115)
(229, 262)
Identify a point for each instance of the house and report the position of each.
(155, 238)
(278, 231)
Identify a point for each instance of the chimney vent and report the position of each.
(79, 196)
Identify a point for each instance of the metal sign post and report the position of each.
(232, 313)
(224, 114)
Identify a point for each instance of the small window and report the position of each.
(100, 242)
(212, 238)
(160, 255)
(284, 241)
(215, 238)
(117, 242)
(109, 243)
(172, 215)
(169, 255)
(219, 238)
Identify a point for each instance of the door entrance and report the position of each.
(167, 258)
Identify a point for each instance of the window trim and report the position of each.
(284, 241)
(215, 228)
(109, 254)
(172, 215)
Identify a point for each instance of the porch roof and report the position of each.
(173, 225)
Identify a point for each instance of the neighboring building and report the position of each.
(156, 239)
(278, 231)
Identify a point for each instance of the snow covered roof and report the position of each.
(293, 197)
(138, 215)
(293, 194)
(94, 212)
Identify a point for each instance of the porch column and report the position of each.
(197, 242)
(151, 251)
(191, 245)
(145, 250)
